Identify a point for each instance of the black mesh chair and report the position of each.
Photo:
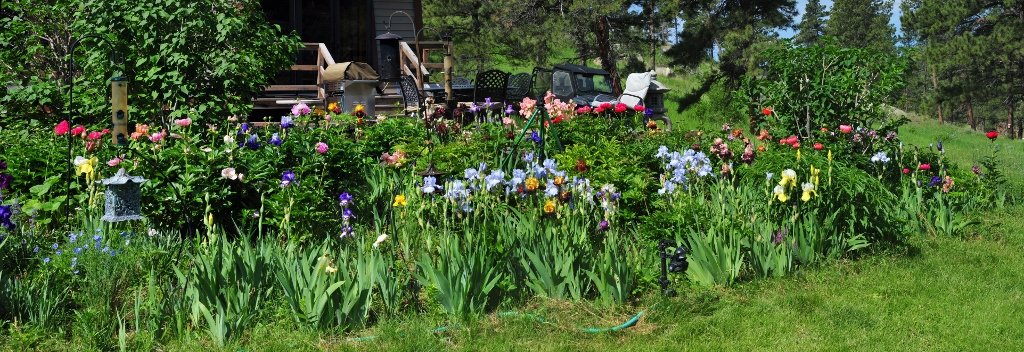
(519, 86)
(491, 84)
(411, 95)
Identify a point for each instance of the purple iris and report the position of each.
(603, 225)
(344, 199)
(778, 236)
(535, 136)
(5, 180)
(935, 181)
(5, 217)
(474, 108)
(287, 122)
(648, 112)
(287, 178)
(347, 214)
(252, 143)
(276, 140)
(3, 165)
(509, 110)
(245, 127)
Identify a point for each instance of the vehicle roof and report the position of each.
(580, 69)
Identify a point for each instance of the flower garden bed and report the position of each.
(334, 222)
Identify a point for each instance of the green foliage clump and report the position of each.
(204, 59)
(807, 88)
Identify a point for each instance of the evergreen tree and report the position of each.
(738, 29)
(812, 25)
(863, 24)
(973, 53)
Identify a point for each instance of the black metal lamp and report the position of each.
(671, 263)
(122, 197)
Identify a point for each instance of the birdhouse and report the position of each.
(122, 197)
(119, 108)
(390, 56)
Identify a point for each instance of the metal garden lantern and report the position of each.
(122, 199)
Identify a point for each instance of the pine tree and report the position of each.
(812, 25)
(863, 24)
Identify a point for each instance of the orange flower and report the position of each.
(763, 135)
(532, 184)
(737, 133)
(549, 206)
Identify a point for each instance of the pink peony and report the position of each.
(583, 110)
(526, 106)
(639, 108)
(94, 135)
(620, 108)
(300, 109)
(845, 128)
(157, 137)
(62, 128)
(114, 162)
(321, 147)
(925, 167)
(185, 122)
(78, 130)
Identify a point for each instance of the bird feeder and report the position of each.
(119, 109)
(122, 197)
(390, 57)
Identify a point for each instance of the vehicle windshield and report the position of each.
(593, 84)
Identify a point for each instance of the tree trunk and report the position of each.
(604, 52)
(1009, 119)
(970, 114)
(938, 103)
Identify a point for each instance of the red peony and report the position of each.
(818, 146)
(638, 108)
(78, 130)
(767, 111)
(605, 106)
(906, 170)
(992, 135)
(94, 135)
(62, 128)
(620, 108)
(925, 167)
(558, 119)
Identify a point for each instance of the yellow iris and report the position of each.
(788, 178)
(399, 201)
(809, 190)
(532, 184)
(86, 166)
(359, 108)
(780, 193)
(549, 206)
(332, 106)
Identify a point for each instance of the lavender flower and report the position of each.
(880, 157)
(495, 178)
(276, 140)
(429, 185)
(287, 122)
(551, 190)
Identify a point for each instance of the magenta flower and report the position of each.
(321, 147)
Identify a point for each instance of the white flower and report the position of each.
(880, 157)
(229, 139)
(229, 173)
(152, 232)
(79, 160)
(380, 239)
(206, 149)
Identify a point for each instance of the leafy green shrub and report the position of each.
(205, 59)
(805, 88)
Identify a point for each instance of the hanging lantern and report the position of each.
(119, 108)
(122, 197)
